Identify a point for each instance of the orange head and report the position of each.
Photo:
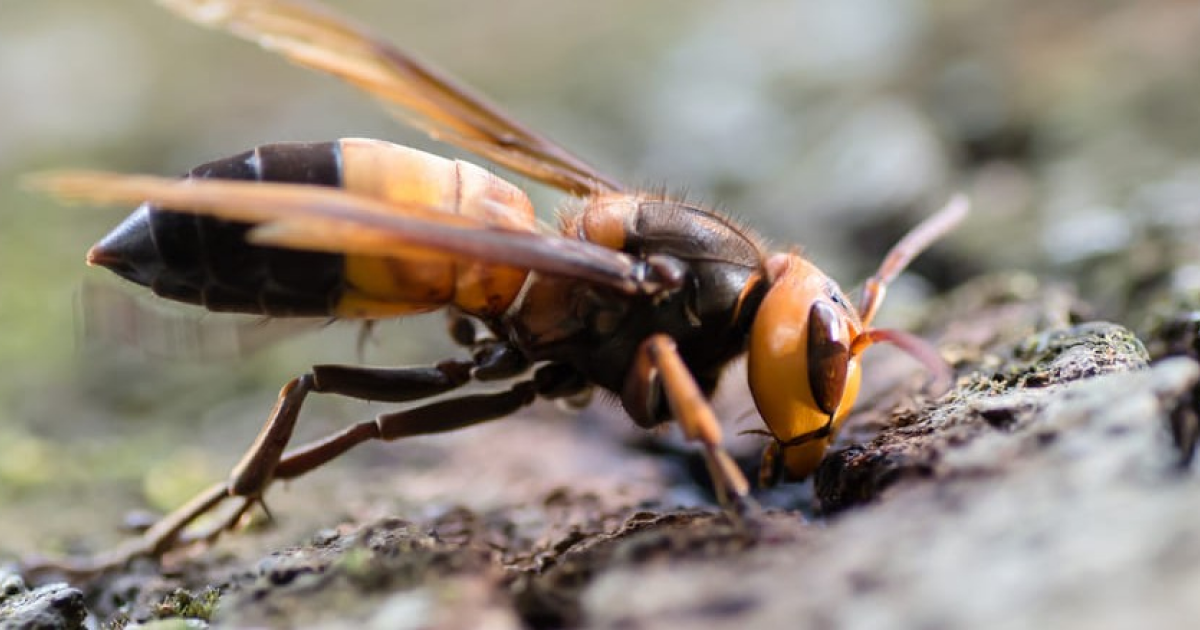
(805, 344)
(803, 373)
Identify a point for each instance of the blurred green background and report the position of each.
(1074, 125)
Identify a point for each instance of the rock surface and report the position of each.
(1043, 490)
(49, 606)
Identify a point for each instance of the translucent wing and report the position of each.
(314, 218)
(158, 329)
(315, 38)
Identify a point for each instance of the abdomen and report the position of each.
(208, 262)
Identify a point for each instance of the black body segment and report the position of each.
(206, 261)
(708, 317)
(391, 384)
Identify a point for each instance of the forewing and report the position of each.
(313, 37)
(334, 220)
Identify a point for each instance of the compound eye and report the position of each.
(828, 357)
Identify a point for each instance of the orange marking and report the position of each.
(606, 220)
(688, 403)
(420, 280)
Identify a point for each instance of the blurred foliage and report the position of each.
(835, 125)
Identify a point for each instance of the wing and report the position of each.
(313, 218)
(311, 36)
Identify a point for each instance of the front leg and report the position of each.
(659, 370)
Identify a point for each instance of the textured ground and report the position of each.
(1045, 488)
(1052, 487)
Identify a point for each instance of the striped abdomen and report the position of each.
(206, 261)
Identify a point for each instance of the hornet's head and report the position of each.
(802, 369)
(805, 345)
